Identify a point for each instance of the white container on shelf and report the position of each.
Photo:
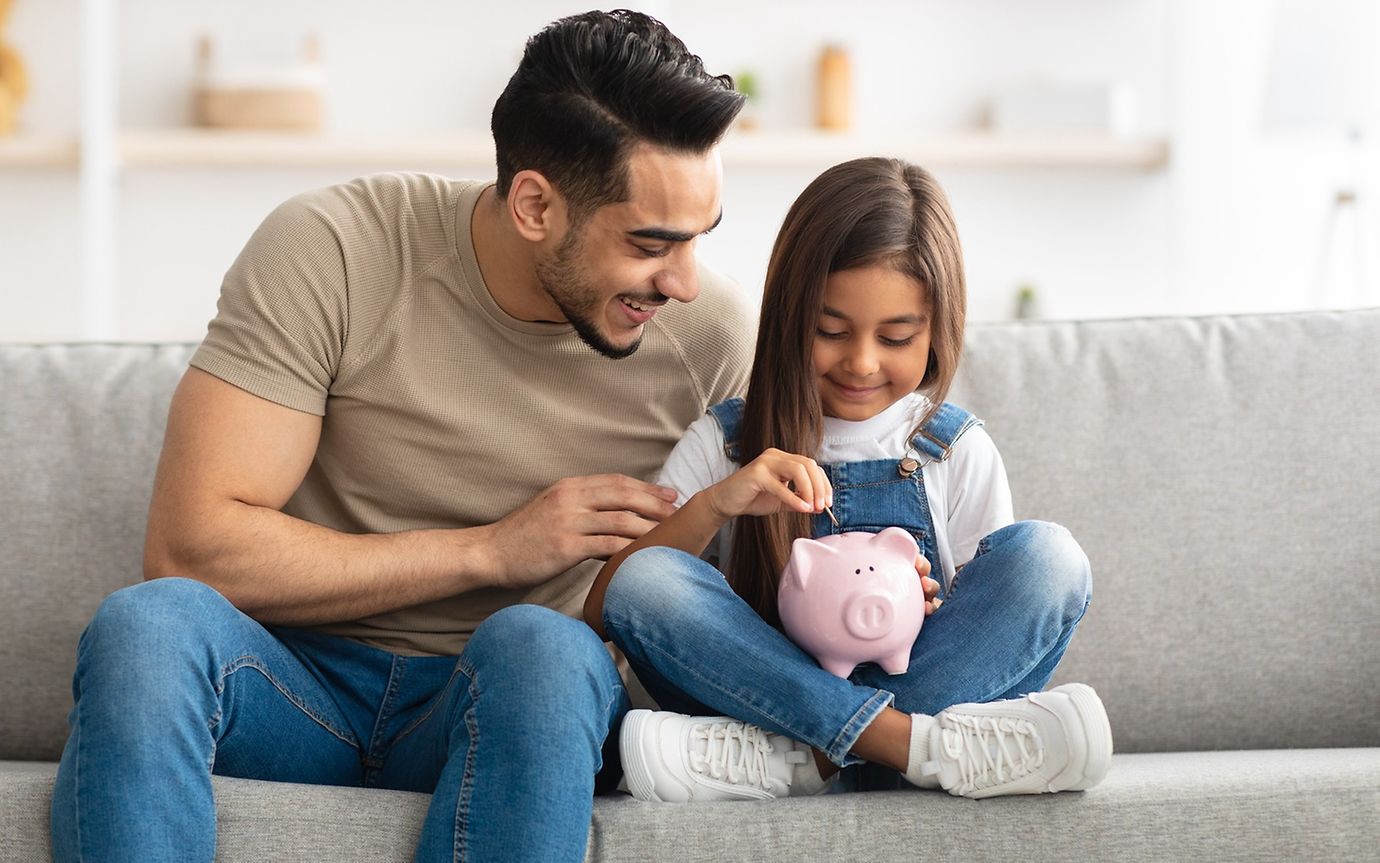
(1044, 106)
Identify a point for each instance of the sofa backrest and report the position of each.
(1221, 473)
(80, 431)
(1223, 476)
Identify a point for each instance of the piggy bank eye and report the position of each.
(870, 569)
(857, 572)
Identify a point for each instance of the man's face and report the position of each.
(612, 271)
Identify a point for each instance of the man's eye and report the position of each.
(655, 252)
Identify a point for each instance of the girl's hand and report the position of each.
(773, 481)
(927, 584)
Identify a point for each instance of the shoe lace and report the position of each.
(990, 750)
(736, 751)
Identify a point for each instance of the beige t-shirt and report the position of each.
(363, 303)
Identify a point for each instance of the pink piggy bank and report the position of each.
(854, 597)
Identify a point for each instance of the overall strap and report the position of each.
(937, 436)
(729, 415)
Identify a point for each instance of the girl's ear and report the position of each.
(898, 541)
(806, 554)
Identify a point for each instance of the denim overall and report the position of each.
(879, 493)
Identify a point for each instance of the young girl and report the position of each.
(860, 334)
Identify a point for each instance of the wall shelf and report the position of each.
(39, 151)
(221, 149)
(204, 148)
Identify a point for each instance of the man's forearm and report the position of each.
(283, 570)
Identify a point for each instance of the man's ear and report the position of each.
(536, 209)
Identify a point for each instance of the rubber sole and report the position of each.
(635, 771)
(1097, 731)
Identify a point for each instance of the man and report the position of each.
(393, 463)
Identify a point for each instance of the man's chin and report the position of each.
(597, 342)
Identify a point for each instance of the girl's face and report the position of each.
(872, 343)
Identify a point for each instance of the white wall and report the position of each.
(1232, 224)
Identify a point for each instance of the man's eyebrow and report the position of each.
(899, 319)
(670, 236)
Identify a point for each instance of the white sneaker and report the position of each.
(671, 758)
(1058, 740)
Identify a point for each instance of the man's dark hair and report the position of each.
(589, 88)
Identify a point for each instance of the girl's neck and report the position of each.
(896, 414)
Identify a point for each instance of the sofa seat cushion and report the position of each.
(1293, 804)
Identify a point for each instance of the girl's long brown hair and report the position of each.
(866, 212)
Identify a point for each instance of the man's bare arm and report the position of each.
(231, 460)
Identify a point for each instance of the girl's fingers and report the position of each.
(824, 492)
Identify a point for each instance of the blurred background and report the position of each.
(1105, 158)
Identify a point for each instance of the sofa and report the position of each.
(1222, 473)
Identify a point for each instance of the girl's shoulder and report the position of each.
(726, 417)
(941, 432)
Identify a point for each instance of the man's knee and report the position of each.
(163, 610)
(537, 645)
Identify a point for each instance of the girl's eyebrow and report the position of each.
(900, 319)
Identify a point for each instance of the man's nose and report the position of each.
(680, 280)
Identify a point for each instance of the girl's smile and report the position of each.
(872, 345)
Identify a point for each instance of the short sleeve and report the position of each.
(978, 492)
(281, 320)
(698, 460)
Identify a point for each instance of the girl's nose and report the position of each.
(861, 361)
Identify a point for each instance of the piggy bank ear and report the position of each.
(897, 541)
(806, 554)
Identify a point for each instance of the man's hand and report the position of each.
(576, 519)
(927, 584)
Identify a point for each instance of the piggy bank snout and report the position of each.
(869, 616)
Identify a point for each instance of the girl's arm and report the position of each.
(773, 480)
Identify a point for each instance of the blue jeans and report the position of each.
(1000, 632)
(174, 684)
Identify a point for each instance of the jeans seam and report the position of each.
(396, 669)
(76, 784)
(435, 704)
(462, 800)
(254, 663)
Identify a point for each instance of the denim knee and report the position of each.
(147, 644)
(1049, 565)
(655, 584)
(542, 654)
(161, 612)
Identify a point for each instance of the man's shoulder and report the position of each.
(722, 314)
(385, 200)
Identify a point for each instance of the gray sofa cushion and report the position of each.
(1221, 806)
(1223, 475)
(80, 430)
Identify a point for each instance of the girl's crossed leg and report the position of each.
(1004, 624)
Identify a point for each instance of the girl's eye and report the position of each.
(825, 334)
(896, 343)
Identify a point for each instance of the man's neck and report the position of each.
(506, 263)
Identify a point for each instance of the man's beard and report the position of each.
(565, 283)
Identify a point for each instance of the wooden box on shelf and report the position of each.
(289, 98)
